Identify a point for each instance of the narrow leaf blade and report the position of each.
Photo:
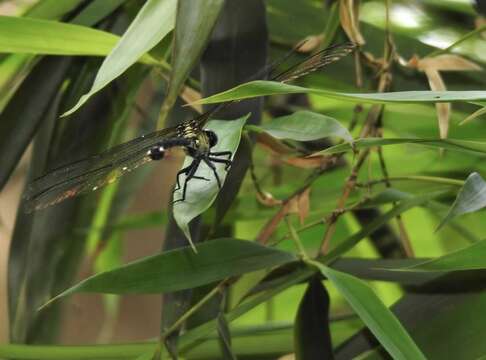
(154, 21)
(379, 319)
(183, 269)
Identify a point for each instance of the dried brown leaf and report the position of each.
(446, 62)
(272, 224)
(190, 96)
(311, 162)
(311, 43)
(349, 17)
(443, 109)
(273, 145)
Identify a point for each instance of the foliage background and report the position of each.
(417, 29)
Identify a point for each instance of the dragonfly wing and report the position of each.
(91, 173)
(40, 198)
(315, 62)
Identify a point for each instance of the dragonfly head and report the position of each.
(212, 137)
(156, 152)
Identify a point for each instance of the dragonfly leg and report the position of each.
(222, 153)
(185, 171)
(191, 172)
(227, 162)
(213, 167)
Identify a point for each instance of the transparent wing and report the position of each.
(91, 173)
(315, 62)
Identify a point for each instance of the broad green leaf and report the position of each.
(46, 37)
(377, 317)
(471, 197)
(304, 126)
(475, 147)
(472, 257)
(312, 334)
(183, 268)
(264, 88)
(194, 22)
(201, 193)
(154, 21)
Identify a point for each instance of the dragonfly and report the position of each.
(92, 173)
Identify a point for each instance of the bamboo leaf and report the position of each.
(183, 269)
(474, 147)
(472, 257)
(47, 37)
(379, 319)
(471, 197)
(264, 88)
(303, 126)
(153, 22)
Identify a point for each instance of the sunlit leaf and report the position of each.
(43, 37)
(263, 88)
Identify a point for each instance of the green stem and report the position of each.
(457, 42)
(431, 179)
(192, 310)
(296, 239)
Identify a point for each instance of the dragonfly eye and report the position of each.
(212, 137)
(156, 152)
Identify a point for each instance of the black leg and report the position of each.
(222, 161)
(190, 175)
(213, 167)
(182, 171)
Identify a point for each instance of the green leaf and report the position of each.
(304, 126)
(264, 88)
(154, 21)
(472, 257)
(46, 37)
(471, 197)
(201, 194)
(312, 334)
(195, 20)
(467, 146)
(377, 317)
(97, 10)
(183, 269)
